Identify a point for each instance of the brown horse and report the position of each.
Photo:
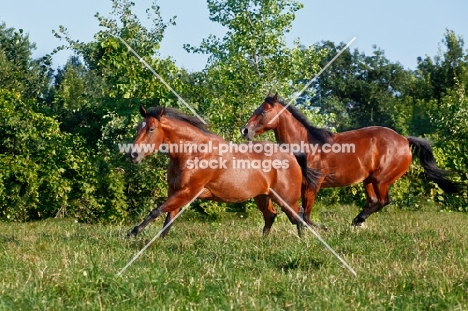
(375, 155)
(201, 161)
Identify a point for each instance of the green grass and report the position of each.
(405, 260)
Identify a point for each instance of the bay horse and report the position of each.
(222, 177)
(375, 155)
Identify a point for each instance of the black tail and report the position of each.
(310, 176)
(426, 157)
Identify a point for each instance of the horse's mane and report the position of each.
(321, 134)
(157, 112)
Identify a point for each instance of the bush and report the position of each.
(32, 162)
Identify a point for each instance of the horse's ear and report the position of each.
(142, 111)
(163, 110)
(275, 98)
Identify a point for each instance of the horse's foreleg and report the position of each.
(174, 203)
(169, 217)
(155, 213)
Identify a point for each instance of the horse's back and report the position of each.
(363, 152)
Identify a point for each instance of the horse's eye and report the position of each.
(151, 129)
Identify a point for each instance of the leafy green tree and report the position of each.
(45, 172)
(33, 161)
(362, 90)
(447, 79)
(115, 80)
(435, 78)
(19, 72)
(251, 59)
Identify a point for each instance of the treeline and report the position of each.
(60, 129)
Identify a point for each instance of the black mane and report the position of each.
(322, 135)
(157, 112)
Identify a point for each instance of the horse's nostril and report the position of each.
(133, 155)
(244, 131)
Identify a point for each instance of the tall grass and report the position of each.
(404, 260)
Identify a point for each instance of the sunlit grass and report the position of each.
(404, 260)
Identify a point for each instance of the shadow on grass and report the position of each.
(296, 264)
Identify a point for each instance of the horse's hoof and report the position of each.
(132, 234)
(358, 224)
(358, 221)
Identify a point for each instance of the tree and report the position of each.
(251, 60)
(114, 80)
(434, 79)
(19, 72)
(447, 79)
(362, 90)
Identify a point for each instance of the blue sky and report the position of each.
(404, 29)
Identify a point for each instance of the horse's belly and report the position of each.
(347, 173)
(331, 181)
(237, 188)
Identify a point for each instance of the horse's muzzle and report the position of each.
(134, 157)
(246, 133)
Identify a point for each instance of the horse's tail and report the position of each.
(309, 175)
(426, 157)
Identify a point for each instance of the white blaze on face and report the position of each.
(143, 124)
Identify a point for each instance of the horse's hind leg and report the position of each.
(308, 199)
(297, 220)
(371, 206)
(378, 184)
(170, 215)
(293, 211)
(380, 198)
(269, 213)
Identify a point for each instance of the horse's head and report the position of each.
(263, 119)
(149, 136)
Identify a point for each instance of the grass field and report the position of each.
(405, 260)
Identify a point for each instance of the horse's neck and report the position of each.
(289, 130)
(179, 132)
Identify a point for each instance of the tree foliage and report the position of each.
(19, 72)
(251, 59)
(61, 129)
